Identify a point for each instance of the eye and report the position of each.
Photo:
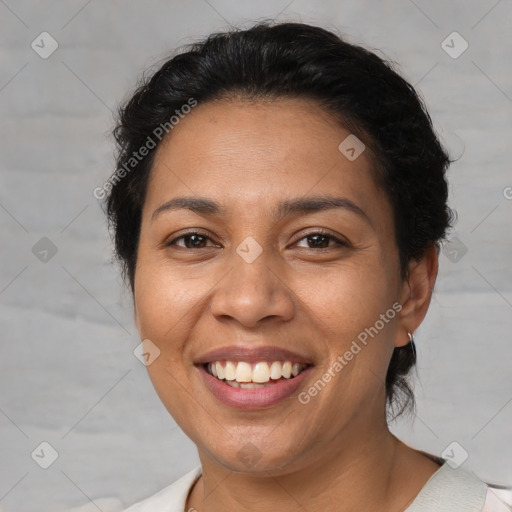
(316, 240)
(192, 240)
(320, 240)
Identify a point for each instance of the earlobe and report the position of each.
(417, 293)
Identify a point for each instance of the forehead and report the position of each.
(246, 154)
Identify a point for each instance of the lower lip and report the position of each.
(252, 398)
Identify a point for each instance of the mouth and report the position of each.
(246, 375)
(253, 378)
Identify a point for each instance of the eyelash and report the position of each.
(320, 232)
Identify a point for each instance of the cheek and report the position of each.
(164, 299)
(359, 323)
(164, 305)
(170, 303)
(354, 296)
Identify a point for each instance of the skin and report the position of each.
(337, 449)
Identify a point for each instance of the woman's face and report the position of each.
(257, 284)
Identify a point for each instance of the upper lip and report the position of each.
(252, 355)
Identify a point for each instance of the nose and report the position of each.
(253, 293)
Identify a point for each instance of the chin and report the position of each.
(253, 456)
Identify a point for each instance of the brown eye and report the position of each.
(321, 240)
(193, 240)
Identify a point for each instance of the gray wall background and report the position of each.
(68, 373)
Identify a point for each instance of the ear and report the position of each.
(417, 293)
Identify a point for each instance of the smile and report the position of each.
(253, 377)
(245, 375)
(244, 392)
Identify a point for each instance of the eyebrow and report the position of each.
(285, 209)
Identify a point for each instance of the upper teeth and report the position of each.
(242, 371)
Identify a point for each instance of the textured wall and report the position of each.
(68, 373)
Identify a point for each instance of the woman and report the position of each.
(277, 206)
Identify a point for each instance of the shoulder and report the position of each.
(454, 489)
(171, 498)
